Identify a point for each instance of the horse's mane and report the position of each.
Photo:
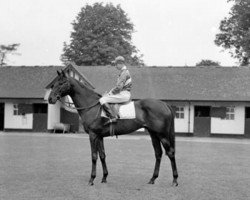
(85, 86)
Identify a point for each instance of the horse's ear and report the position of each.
(63, 73)
(58, 73)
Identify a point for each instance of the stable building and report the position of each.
(207, 100)
(22, 104)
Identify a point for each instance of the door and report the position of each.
(40, 117)
(202, 121)
(1, 116)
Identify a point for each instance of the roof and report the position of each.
(71, 67)
(170, 83)
(25, 82)
(177, 83)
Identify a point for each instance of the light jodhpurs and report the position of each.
(121, 97)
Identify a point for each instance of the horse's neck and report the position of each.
(82, 96)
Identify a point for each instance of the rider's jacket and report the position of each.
(124, 81)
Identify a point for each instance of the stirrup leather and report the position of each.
(110, 121)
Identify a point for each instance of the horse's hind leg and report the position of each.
(158, 155)
(170, 152)
(174, 168)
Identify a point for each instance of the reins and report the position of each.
(78, 108)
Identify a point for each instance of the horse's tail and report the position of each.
(171, 131)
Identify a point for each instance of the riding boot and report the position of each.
(110, 114)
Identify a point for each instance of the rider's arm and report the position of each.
(124, 76)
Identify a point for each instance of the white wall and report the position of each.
(12, 121)
(236, 126)
(53, 114)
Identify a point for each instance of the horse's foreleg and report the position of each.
(102, 155)
(158, 155)
(94, 152)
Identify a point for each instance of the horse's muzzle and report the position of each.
(53, 99)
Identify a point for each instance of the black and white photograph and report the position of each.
(124, 99)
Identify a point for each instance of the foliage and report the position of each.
(234, 31)
(100, 33)
(207, 63)
(6, 50)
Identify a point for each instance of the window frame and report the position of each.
(16, 110)
(180, 112)
(230, 113)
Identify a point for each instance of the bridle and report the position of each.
(83, 109)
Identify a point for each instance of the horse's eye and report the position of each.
(52, 86)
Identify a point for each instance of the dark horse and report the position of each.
(153, 115)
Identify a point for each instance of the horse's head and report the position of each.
(60, 89)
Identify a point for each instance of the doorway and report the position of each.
(202, 120)
(1, 116)
(247, 121)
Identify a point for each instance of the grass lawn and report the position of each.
(56, 166)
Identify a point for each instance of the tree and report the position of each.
(235, 31)
(6, 50)
(100, 33)
(207, 63)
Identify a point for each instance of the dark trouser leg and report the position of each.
(109, 111)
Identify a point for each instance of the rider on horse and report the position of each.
(121, 92)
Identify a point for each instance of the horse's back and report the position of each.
(154, 105)
(154, 111)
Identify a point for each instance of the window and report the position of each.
(230, 113)
(15, 109)
(72, 74)
(179, 112)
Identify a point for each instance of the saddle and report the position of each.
(124, 110)
(115, 107)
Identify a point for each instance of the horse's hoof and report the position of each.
(175, 184)
(151, 182)
(104, 181)
(90, 184)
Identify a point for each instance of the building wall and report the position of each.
(218, 125)
(236, 126)
(53, 115)
(12, 121)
